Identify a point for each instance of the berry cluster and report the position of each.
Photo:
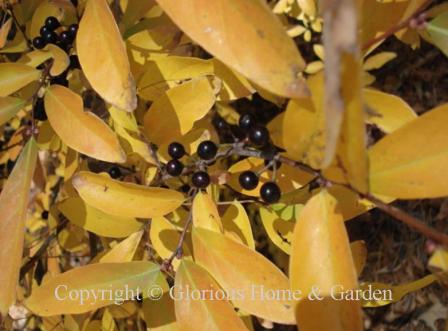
(248, 132)
(206, 151)
(49, 35)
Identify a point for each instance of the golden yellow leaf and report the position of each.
(9, 106)
(61, 61)
(320, 242)
(96, 221)
(123, 251)
(387, 111)
(359, 253)
(83, 131)
(210, 312)
(14, 76)
(175, 112)
(165, 237)
(51, 298)
(410, 162)
(278, 230)
(321, 258)
(103, 56)
(163, 72)
(391, 294)
(205, 213)
(236, 224)
(439, 259)
(4, 30)
(13, 208)
(237, 267)
(255, 43)
(107, 322)
(378, 60)
(35, 58)
(125, 199)
(159, 314)
(303, 126)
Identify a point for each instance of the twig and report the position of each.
(395, 28)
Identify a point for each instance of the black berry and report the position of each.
(200, 179)
(207, 150)
(65, 38)
(174, 167)
(39, 42)
(52, 23)
(44, 30)
(44, 215)
(39, 110)
(219, 123)
(259, 136)
(248, 180)
(114, 172)
(73, 30)
(176, 150)
(270, 192)
(246, 121)
(50, 37)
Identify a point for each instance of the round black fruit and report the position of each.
(65, 38)
(219, 123)
(246, 121)
(44, 215)
(44, 30)
(115, 172)
(73, 30)
(270, 192)
(174, 167)
(50, 37)
(39, 43)
(248, 180)
(39, 110)
(259, 136)
(200, 179)
(176, 150)
(52, 23)
(207, 150)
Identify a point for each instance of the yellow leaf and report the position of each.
(234, 85)
(390, 294)
(125, 199)
(107, 322)
(159, 314)
(278, 230)
(256, 45)
(205, 213)
(9, 106)
(359, 253)
(124, 251)
(162, 72)
(35, 58)
(13, 208)
(320, 242)
(410, 162)
(208, 312)
(61, 60)
(321, 258)
(303, 126)
(236, 224)
(103, 56)
(352, 150)
(237, 267)
(389, 111)
(82, 131)
(165, 237)
(4, 31)
(14, 76)
(439, 259)
(175, 112)
(52, 297)
(96, 221)
(378, 60)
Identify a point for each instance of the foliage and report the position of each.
(280, 135)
